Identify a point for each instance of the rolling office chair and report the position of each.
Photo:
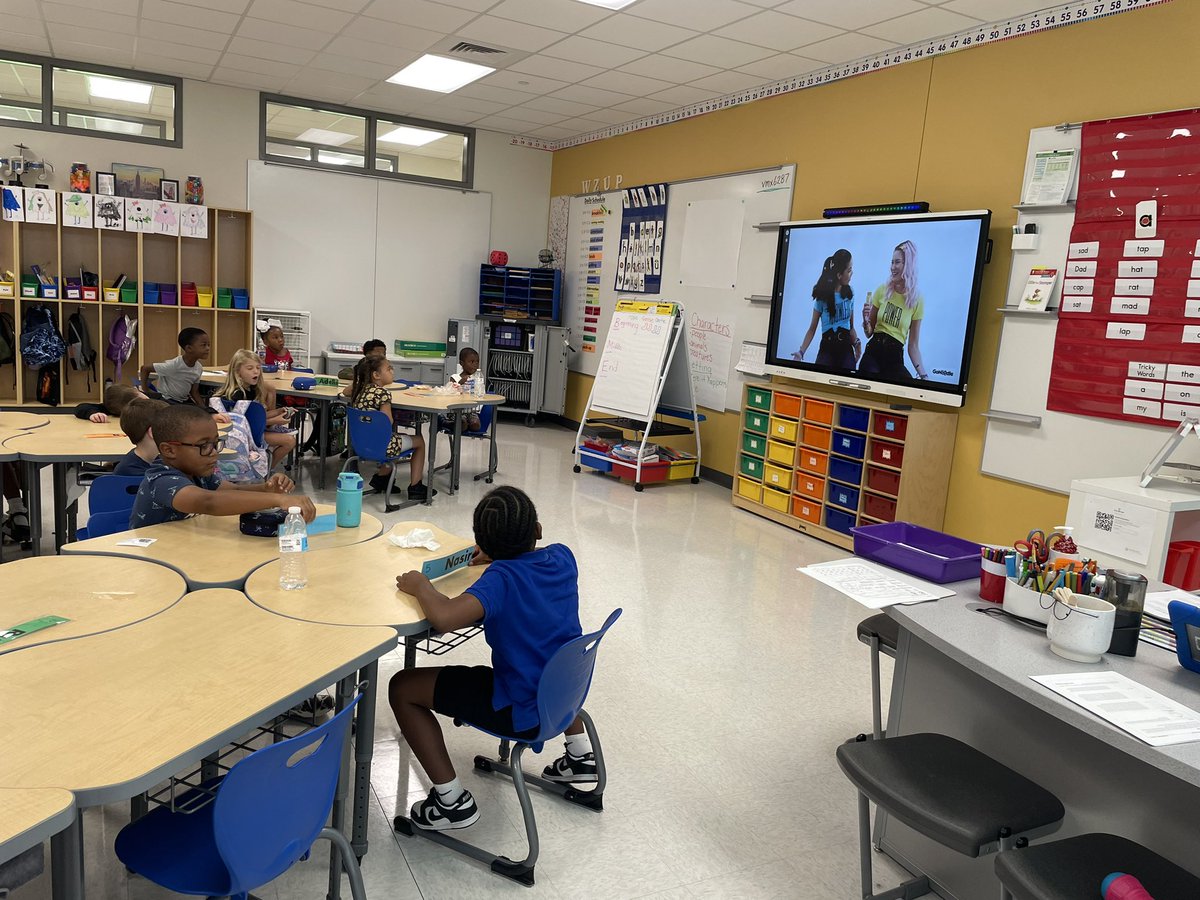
(110, 499)
(561, 691)
(487, 431)
(370, 433)
(265, 816)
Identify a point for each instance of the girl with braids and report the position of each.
(528, 600)
(892, 318)
(833, 310)
(372, 375)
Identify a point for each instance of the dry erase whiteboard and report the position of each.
(631, 363)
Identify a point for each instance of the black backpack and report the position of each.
(80, 351)
(41, 344)
(8, 339)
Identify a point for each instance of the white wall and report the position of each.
(518, 178)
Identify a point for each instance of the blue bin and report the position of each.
(845, 470)
(853, 417)
(150, 292)
(241, 298)
(839, 520)
(847, 444)
(844, 496)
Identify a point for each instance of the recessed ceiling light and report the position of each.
(413, 137)
(323, 136)
(119, 89)
(438, 73)
(609, 4)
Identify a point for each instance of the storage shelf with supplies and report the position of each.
(517, 294)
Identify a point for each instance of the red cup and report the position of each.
(991, 581)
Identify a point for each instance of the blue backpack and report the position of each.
(41, 344)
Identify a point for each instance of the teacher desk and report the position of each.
(111, 716)
(211, 551)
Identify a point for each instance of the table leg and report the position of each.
(66, 861)
(58, 473)
(431, 452)
(410, 650)
(323, 442)
(2, 468)
(345, 688)
(364, 748)
(456, 451)
(33, 504)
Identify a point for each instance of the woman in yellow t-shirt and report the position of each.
(892, 318)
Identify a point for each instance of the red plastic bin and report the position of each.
(890, 426)
(1183, 565)
(883, 481)
(887, 454)
(879, 508)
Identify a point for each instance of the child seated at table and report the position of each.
(373, 347)
(182, 484)
(528, 600)
(244, 381)
(468, 364)
(372, 376)
(135, 422)
(277, 353)
(179, 378)
(116, 397)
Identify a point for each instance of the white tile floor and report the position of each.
(720, 696)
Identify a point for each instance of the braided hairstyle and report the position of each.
(506, 523)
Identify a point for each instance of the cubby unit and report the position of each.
(511, 292)
(855, 462)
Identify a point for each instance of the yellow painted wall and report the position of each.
(950, 130)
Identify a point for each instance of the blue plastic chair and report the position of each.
(486, 432)
(370, 433)
(561, 691)
(110, 499)
(268, 812)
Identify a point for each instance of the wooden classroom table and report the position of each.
(210, 551)
(20, 421)
(113, 715)
(96, 594)
(29, 816)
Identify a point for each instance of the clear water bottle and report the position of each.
(293, 543)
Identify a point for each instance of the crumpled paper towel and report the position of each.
(418, 537)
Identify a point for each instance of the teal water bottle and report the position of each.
(349, 499)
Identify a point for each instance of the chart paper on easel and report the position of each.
(632, 363)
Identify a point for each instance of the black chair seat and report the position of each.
(883, 625)
(947, 790)
(1073, 868)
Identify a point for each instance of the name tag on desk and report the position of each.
(436, 568)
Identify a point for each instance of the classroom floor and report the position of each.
(719, 696)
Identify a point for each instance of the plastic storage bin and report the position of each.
(758, 398)
(777, 477)
(919, 551)
(753, 443)
(111, 294)
(129, 292)
(602, 463)
(30, 286)
(887, 454)
(168, 294)
(845, 470)
(758, 422)
(150, 293)
(888, 425)
(816, 436)
(204, 296)
(783, 454)
(784, 429)
(780, 501)
(818, 411)
(241, 298)
(751, 467)
(6, 289)
(224, 298)
(73, 290)
(751, 490)
(87, 292)
(847, 444)
(787, 406)
(879, 508)
(811, 486)
(843, 495)
(814, 461)
(50, 291)
(806, 509)
(187, 294)
(856, 418)
(882, 480)
(840, 520)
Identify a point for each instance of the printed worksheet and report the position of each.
(1132, 707)
(873, 586)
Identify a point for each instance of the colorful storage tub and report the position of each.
(888, 425)
(887, 454)
(651, 471)
(758, 422)
(30, 286)
(241, 300)
(204, 296)
(758, 398)
(840, 520)
(883, 481)
(753, 443)
(843, 495)
(169, 295)
(809, 485)
(783, 454)
(818, 411)
(919, 551)
(848, 444)
(845, 470)
(816, 436)
(808, 510)
(751, 467)
(50, 291)
(856, 418)
(814, 461)
(787, 406)
(777, 477)
(90, 292)
(776, 500)
(224, 298)
(73, 289)
(751, 490)
(129, 292)
(681, 469)
(784, 429)
(188, 295)
(150, 293)
(111, 294)
(602, 463)
(879, 507)
(6, 289)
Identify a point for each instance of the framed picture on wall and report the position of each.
(106, 184)
(170, 190)
(139, 182)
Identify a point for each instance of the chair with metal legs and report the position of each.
(882, 634)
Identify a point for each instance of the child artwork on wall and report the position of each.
(193, 221)
(166, 218)
(139, 214)
(77, 210)
(14, 204)
(40, 206)
(110, 213)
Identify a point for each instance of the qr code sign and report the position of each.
(1104, 522)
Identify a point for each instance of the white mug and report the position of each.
(1082, 629)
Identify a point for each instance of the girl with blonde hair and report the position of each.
(244, 381)
(892, 318)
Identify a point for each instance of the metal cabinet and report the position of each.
(523, 360)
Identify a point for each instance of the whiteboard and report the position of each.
(765, 196)
(631, 364)
(368, 257)
(1065, 446)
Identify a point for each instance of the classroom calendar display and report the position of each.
(593, 226)
(1128, 340)
(643, 230)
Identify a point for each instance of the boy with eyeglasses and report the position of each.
(184, 483)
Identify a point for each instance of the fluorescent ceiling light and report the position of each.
(322, 136)
(438, 73)
(335, 158)
(609, 4)
(120, 126)
(413, 137)
(119, 89)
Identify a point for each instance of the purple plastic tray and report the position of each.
(923, 552)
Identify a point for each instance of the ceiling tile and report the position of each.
(991, 11)
(556, 105)
(309, 81)
(846, 47)
(476, 5)
(380, 32)
(237, 7)
(394, 98)
(27, 8)
(626, 83)
(123, 7)
(182, 52)
(682, 94)
(388, 54)
(92, 52)
(597, 53)
(181, 34)
(552, 132)
(23, 25)
(777, 31)
(612, 116)
(644, 34)
(533, 116)
(785, 65)
(667, 68)
(644, 106)
(578, 93)
(433, 16)
(558, 69)
(562, 15)
(259, 66)
(348, 65)
(71, 16)
(490, 29)
(503, 123)
(112, 40)
(308, 15)
(449, 116)
(520, 81)
(194, 16)
(719, 51)
(703, 15)
(582, 126)
(27, 43)
(174, 65)
(728, 82)
(264, 50)
(921, 26)
(248, 80)
(495, 94)
(278, 33)
(850, 13)
(472, 105)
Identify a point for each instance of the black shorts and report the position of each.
(465, 693)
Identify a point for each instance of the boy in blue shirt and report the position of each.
(183, 482)
(528, 600)
(135, 422)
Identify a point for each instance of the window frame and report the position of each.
(48, 107)
(370, 143)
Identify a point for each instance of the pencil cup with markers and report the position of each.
(992, 573)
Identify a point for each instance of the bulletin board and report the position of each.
(720, 317)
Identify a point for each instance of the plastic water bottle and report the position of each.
(293, 543)
(349, 500)
(479, 388)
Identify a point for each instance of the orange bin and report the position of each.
(818, 411)
(788, 406)
(810, 485)
(808, 510)
(814, 461)
(816, 436)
